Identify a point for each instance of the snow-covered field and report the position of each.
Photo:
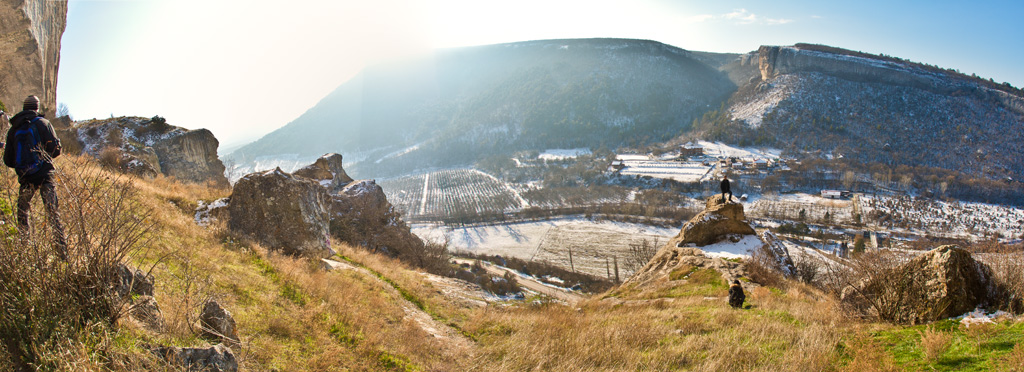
(562, 154)
(949, 219)
(675, 170)
(718, 149)
(593, 244)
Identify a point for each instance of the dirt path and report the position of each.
(569, 297)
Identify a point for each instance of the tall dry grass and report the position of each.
(51, 304)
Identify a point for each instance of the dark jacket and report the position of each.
(47, 138)
(725, 186)
(736, 296)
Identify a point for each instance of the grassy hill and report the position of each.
(383, 316)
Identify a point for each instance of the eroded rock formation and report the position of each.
(717, 221)
(148, 147)
(30, 33)
(282, 212)
(328, 171)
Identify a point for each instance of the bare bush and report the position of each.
(640, 254)
(875, 284)
(807, 269)
(763, 268)
(48, 300)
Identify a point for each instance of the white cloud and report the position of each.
(745, 17)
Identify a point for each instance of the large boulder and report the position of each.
(718, 221)
(30, 34)
(217, 358)
(779, 254)
(361, 215)
(941, 283)
(282, 212)
(328, 171)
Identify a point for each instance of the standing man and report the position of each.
(31, 146)
(725, 189)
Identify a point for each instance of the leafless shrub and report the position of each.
(48, 300)
(764, 269)
(640, 254)
(875, 284)
(807, 269)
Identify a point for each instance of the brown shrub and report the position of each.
(934, 343)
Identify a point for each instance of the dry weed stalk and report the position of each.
(935, 343)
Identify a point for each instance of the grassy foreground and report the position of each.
(384, 316)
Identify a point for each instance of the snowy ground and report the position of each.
(594, 244)
(948, 219)
(562, 154)
(718, 149)
(675, 170)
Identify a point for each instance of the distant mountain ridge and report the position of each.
(457, 104)
(463, 105)
(878, 109)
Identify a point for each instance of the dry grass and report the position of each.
(935, 343)
(1013, 361)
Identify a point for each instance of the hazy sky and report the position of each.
(245, 68)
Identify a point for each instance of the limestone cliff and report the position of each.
(30, 33)
(149, 147)
(780, 60)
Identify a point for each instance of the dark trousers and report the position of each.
(49, 194)
(723, 196)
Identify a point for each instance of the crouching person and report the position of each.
(736, 296)
(31, 146)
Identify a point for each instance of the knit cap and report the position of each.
(31, 103)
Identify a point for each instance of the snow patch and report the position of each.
(562, 154)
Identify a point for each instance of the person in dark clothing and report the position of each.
(725, 189)
(736, 296)
(34, 168)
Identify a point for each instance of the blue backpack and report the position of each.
(28, 157)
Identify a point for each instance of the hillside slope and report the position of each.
(878, 109)
(461, 105)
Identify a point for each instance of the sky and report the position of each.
(245, 68)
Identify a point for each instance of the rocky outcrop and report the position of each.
(216, 322)
(942, 283)
(30, 34)
(192, 157)
(361, 215)
(671, 259)
(718, 220)
(328, 171)
(282, 212)
(151, 147)
(217, 358)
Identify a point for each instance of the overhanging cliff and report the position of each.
(30, 33)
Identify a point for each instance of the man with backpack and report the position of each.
(31, 146)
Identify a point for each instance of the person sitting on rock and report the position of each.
(725, 189)
(736, 296)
